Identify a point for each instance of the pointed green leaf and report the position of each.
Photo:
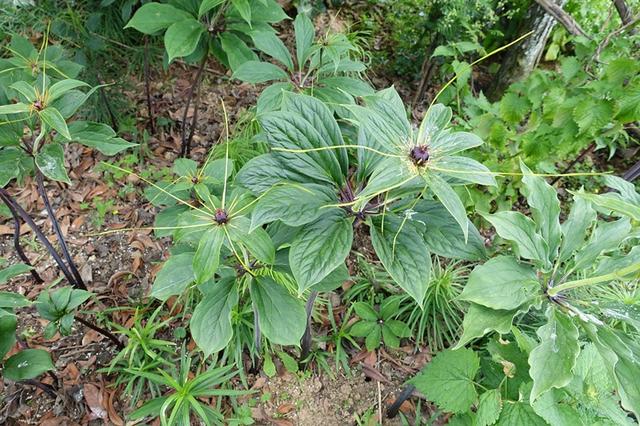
(501, 283)
(16, 108)
(519, 413)
(305, 33)
(182, 38)
(269, 43)
(153, 17)
(450, 200)
(545, 206)
(25, 89)
(61, 87)
(516, 227)
(244, 9)
(447, 143)
(403, 253)
(574, 229)
(320, 248)
(294, 205)
(259, 72)
(27, 364)
(207, 257)
(8, 324)
(207, 5)
(552, 361)
(465, 170)
(174, 277)
(55, 120)
(50, 161)
(281, 316)
(211, 322)
(480, 320)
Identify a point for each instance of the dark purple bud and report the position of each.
(419, 155)
(221, 216)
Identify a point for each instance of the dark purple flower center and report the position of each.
(221, 216)
(419, 155)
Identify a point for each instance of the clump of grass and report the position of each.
(439, 323)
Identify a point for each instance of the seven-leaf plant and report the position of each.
(192, 29)
(550, 271)
(313, 188)
(327, 68)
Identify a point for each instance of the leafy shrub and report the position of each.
(550, 264)
(323, 68)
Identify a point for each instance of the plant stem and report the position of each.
(147, 86)
(43, 386)
(100, 330)
(79, 283)
(579, 158)
(196, 83)
(305, 343)
(18, 247)
(6, 197)
(194, 120)
(406, 393)
(594, 280)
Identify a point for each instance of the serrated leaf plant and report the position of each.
(552, 274)
(327, 68)
(492, 385)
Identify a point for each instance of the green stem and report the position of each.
(595, 280)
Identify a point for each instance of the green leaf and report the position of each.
(50, 161)
(320, 248)
(16, 108)
(519, 413)
(52, 118)
(501, 283)
(516, 227)
(365, 311)
(269, 43)
(574, 229)
(27, 364)
(402, 251)
(281, 316)
(258, 241)
(174, 277)
(9, 164)
(390, 173)
(613, 202)
(211, 323)
(8, 324)
(437, 118)
(153, 17)
(207, 5)
(555, 411)
(25, 89)
(244, 9)
(448, 380)
(182, 38)
(489, 408)
(593, 115)
(305, 33)
(207, 257)
(465, 170)
(480, 320)
(606, 236)
(259, 72)
(450, 200)
(514, 108)
(61, 87)
(552, 361)
(452, 143)
(98, 136)
(294, 205)
(443, 236)
(362, 328)
(11, 272)
(236, 50)
(545, 206)
(271, 97)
